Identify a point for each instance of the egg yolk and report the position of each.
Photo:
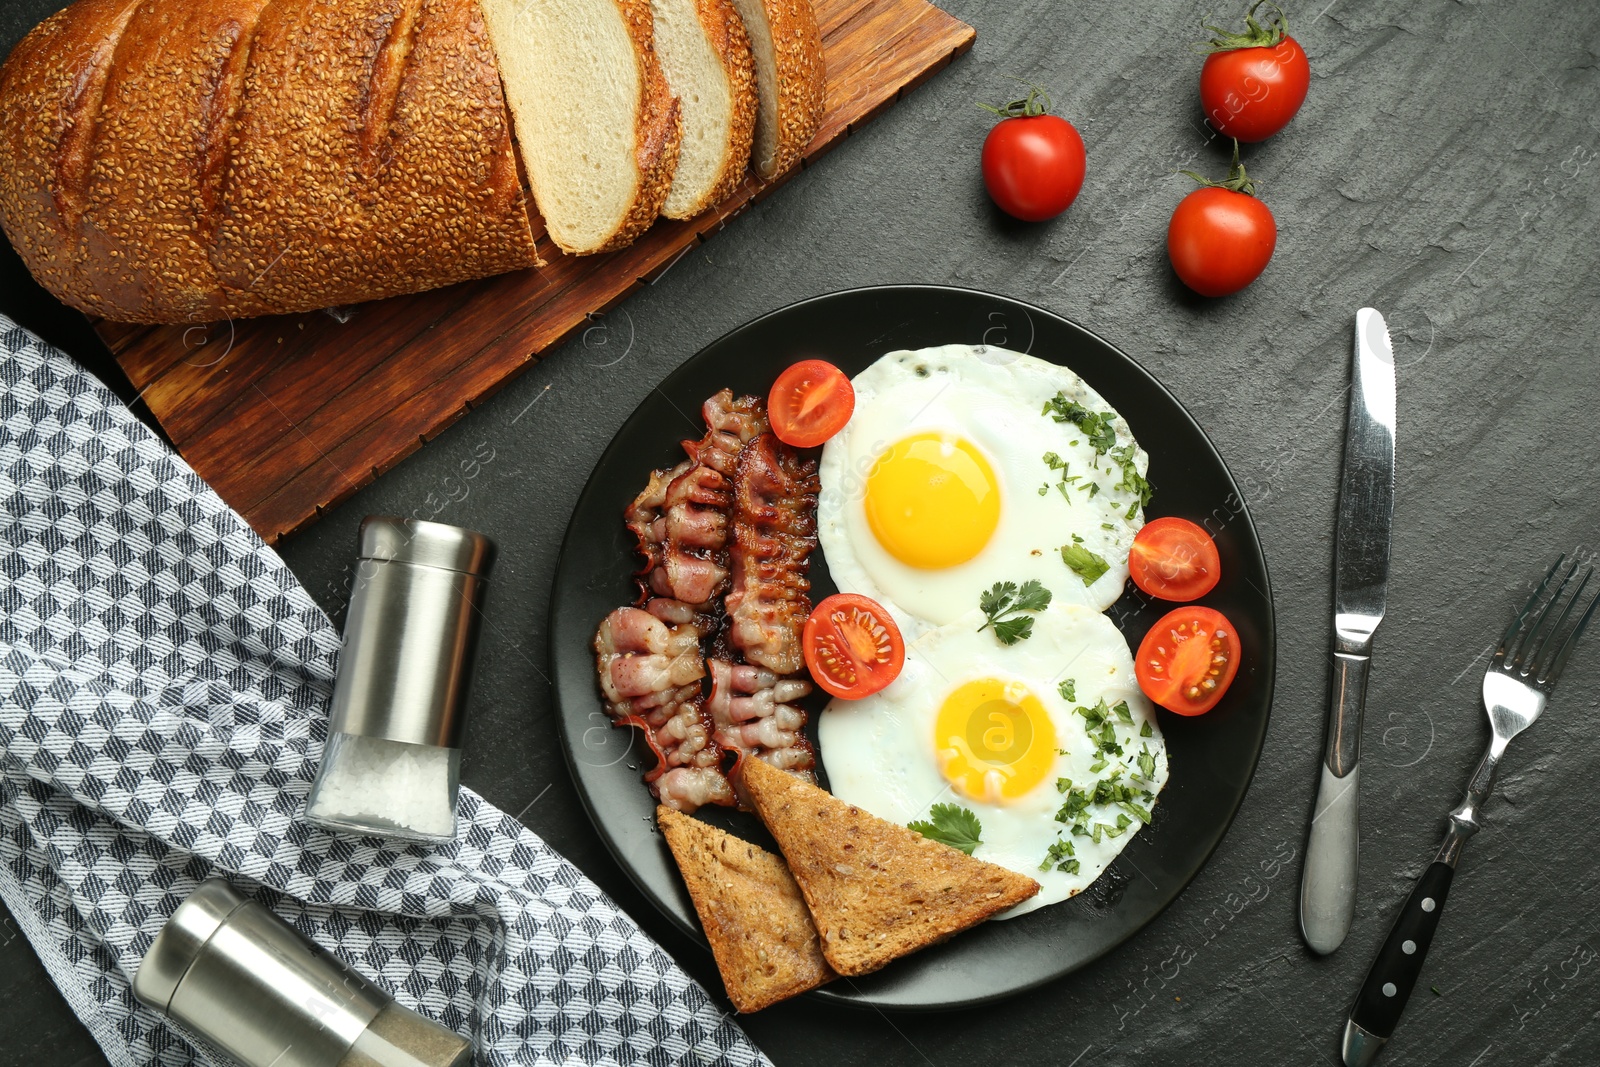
(932, 501)
(994, 739)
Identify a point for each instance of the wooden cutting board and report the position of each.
(289, 415)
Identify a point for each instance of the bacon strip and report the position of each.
(754, 700)
(736, 519)
(681, 518)
(775, 530)
(650, 669)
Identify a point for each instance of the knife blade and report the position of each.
(1360, 582)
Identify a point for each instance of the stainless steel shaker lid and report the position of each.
(181, 939)
(426, 544)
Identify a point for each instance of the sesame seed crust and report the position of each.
(802, 79)
(257, 156)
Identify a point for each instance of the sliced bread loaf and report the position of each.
(597, 126)
(705, 53)
(790, 77)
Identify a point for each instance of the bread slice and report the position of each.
(751, 910)
(705, 53)
(790, 77)
(597, 126)
(876, 891)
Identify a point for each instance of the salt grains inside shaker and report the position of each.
(392, 762)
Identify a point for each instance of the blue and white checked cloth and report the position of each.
(164, 681)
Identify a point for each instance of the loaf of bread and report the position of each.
(186, 160)
(190, 160)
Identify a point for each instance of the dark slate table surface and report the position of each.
(1444, 170)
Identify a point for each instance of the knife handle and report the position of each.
(1328, 879)
(1394, 973)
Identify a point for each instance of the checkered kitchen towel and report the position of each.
(164, 681)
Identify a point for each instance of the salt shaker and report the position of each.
(392, 763)
(240, 977)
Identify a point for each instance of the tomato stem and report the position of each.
(1237, 180)
(1036, 103)
(1255, 34)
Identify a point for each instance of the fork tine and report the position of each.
(1534, 657)
(1507, 643)
(1552, 670)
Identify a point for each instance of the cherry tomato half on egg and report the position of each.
(810, 402)
(1174, 559)
(852, 646)
(1188, 660)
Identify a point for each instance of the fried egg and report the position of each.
(1048, 742)
(964, 466)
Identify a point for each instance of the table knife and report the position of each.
(1360, 578)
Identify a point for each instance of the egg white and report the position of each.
(992, 398)
(880, 752)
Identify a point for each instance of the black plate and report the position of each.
(1212, 758)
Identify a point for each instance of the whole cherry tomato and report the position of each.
(1254, 82)
(1033, 162)
(1221, 236)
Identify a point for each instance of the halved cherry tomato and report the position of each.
(1188, 660)
(1174, 559)
(810, 402)
(852, 646)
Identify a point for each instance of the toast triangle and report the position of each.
(876, 891)
(751, 910)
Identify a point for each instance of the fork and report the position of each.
(1525, 667)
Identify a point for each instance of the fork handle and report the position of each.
(1388, 985)
(1394, 973)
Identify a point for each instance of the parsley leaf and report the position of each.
(1084, 564)
(1096, 427)
(1068, 689)
(1147, 764)
(1002, 603)
(951, 825)
(1145, 731)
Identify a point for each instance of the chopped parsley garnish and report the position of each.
(1060, 857)
(1063, 785)
(951, 825)
(1096, 427)
(1132, 481)
(1145, 731)
(1123, 714)
(1004, 602)
(1068, 689)
(1084, 564)
(1097, 722)
(1147, 763)
(1076, 804)
(1138, 811)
